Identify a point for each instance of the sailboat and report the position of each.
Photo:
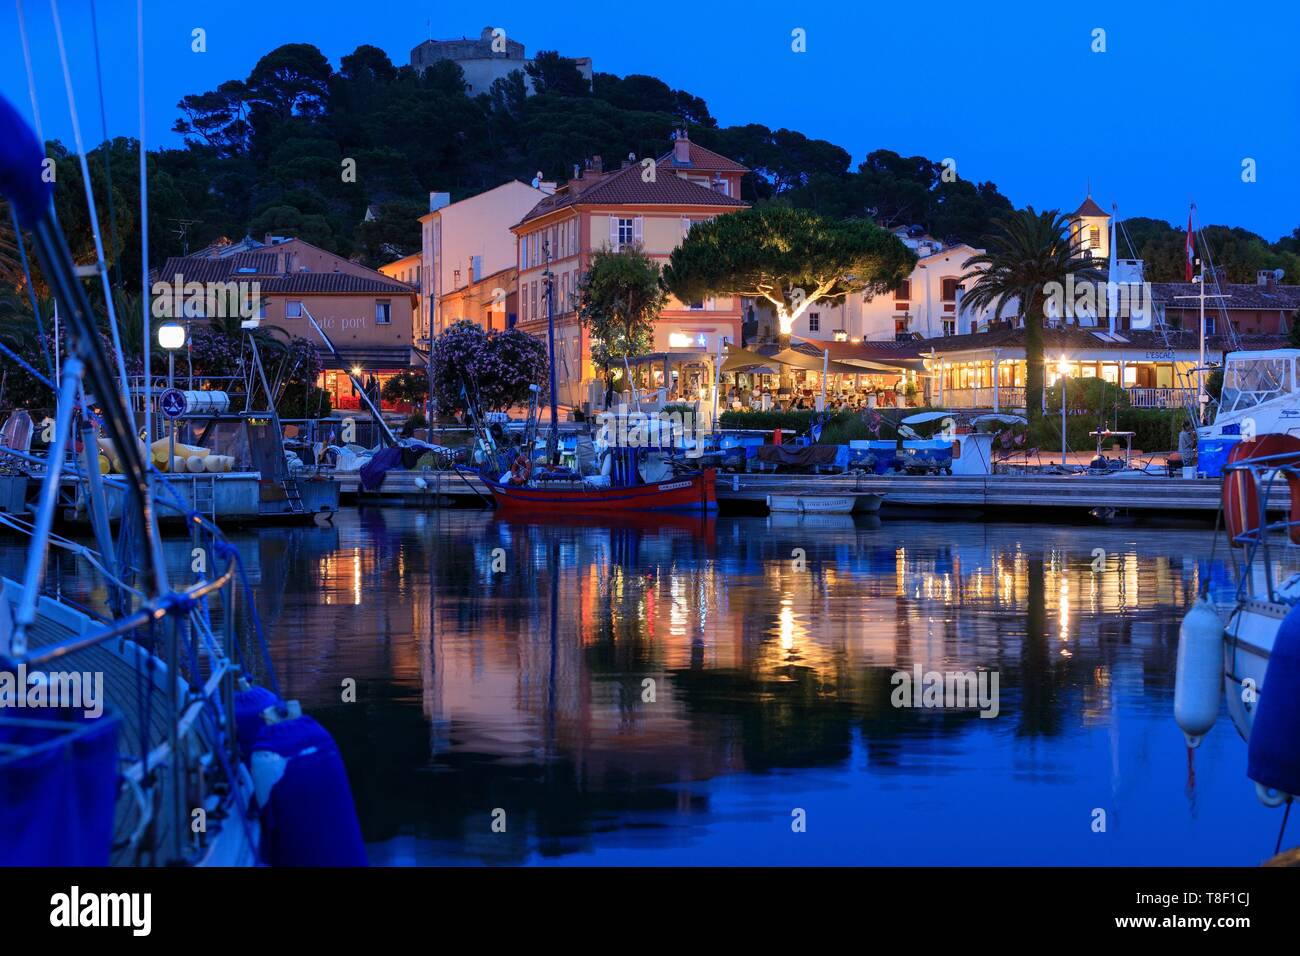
(178, 756)
(651, 476)
(1242, 651)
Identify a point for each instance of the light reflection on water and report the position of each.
(504, 665)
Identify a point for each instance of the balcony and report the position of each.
(1009, 398)
(1160, 397)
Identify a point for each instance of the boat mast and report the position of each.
(1202, 399)
(548, 285)
(1112, 275)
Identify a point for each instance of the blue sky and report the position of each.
(1012, 91)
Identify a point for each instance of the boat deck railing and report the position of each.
(1261, 538)
(170, 668)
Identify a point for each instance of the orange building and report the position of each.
(366, 314)
(489, 302)
(651, 205)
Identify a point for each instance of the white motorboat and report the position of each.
(824, 504)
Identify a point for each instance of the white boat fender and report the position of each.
(1198, 684)
(1270, 797)
(267, 770)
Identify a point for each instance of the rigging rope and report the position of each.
(31, 290)
(94, 212)
(147, 338)
(103, 122)
(31, 77)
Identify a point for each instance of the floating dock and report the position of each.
(235, 497)
(1059, 494)
(1081, 493)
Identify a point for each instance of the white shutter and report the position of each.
(523, 252)
(686, 226)
(613, 233)
(638, 229)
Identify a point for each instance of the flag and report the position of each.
(1191, 248)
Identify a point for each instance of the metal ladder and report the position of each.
(293, 495)
(205, 496)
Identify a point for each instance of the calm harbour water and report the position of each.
(503, 665)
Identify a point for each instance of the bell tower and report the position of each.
(1090, 230)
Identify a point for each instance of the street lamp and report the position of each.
(171, 337)
(1063, 370)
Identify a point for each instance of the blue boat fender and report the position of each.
(1273, 760)
(308, 816)
(251, 705)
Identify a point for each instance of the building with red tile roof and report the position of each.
(647, 203)
(366, 314)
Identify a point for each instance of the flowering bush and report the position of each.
(499, 366)
(513, 361)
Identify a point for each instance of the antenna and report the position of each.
(181, 232)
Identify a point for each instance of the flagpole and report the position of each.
(1202, 399)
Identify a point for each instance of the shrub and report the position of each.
(408, 387)
(499, 366)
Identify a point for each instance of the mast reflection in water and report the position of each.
(674, 691)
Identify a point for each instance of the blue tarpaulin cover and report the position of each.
(58, 788)
(372, 472)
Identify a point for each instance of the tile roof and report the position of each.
(310, 283)
(883, 350)
(1070, 339)
(702, 159)
(625, 187)
(1090, 208)
(1241, 295)
(264, 265)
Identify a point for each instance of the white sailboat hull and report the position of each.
(1248, 641)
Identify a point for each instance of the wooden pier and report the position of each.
(1061, 494)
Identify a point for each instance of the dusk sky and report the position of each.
(1012, 91)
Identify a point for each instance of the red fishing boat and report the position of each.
(561, 494)
(654, 477)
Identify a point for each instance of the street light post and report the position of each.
(1063, 370)
(171, 337)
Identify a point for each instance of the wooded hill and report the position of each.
(266, 154)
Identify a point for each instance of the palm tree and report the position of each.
(1027, 251)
